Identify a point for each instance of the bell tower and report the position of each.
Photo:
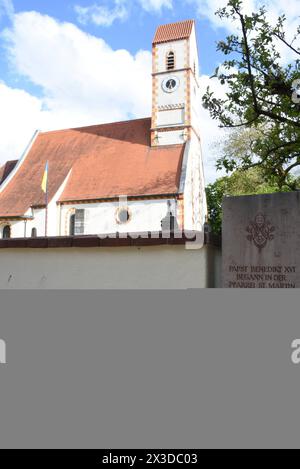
(175, 87)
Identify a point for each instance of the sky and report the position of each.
(72, 63)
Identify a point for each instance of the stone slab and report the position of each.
(261, 241)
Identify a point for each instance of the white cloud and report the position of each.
(275, 8)
(156, 5)
(102, 14)
(106, 12)
(20, 114)
(6, 8)
(83, 80)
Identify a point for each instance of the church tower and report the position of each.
(175, 87)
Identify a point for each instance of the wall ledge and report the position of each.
(121, 240)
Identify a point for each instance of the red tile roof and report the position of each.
(173, 31)
(106, 160)
(6, 169)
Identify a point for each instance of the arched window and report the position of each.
(72, 225)
(34, 233)
(6, 232)
(170, 60)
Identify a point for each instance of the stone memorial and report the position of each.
(261, 241)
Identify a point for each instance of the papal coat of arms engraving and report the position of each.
(260, 231)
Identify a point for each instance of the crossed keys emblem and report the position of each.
(260, 231)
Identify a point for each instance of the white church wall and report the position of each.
(38, 222)
(194, 52)
(170, 108)
(165, 118)
(178, 97)
(22, 228)
(16, 228)
(145, 215)
(160, 267)
(175, 137)
(195, 208)
(178, 47)
(194, 83)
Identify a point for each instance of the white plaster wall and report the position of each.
(165, 118)
(145, 215)
(22, 228)
(194, 83)
(194, 195)
(176, 97)
(175, 137)
(16, 228)
(195, 207)
(161, 267)
(38, 222)
(194, 54)
(179, 47)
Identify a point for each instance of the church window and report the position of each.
(170, 60)
(123, 216)
(79, 222)
(34, 233)
(6, 232)
(72, 225)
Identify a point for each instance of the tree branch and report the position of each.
(286, 43)
(235, 126)
(292, 166)
(284, 120)
(248, 60)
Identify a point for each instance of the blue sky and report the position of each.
(69, 63)
(133, 32)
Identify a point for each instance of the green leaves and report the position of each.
(252, 181)
(259, 90)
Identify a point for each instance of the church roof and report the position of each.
(6, 169)
(106, 160)
(173, 31)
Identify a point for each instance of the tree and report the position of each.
(249, 182)
(261, 93)
(239, 148)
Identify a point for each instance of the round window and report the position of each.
(123, 215)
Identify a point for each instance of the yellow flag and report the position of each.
(45, 179)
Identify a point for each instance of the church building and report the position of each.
(119, 177)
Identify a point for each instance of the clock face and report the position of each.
(170, 84)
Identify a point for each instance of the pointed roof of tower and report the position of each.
(173, 31)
